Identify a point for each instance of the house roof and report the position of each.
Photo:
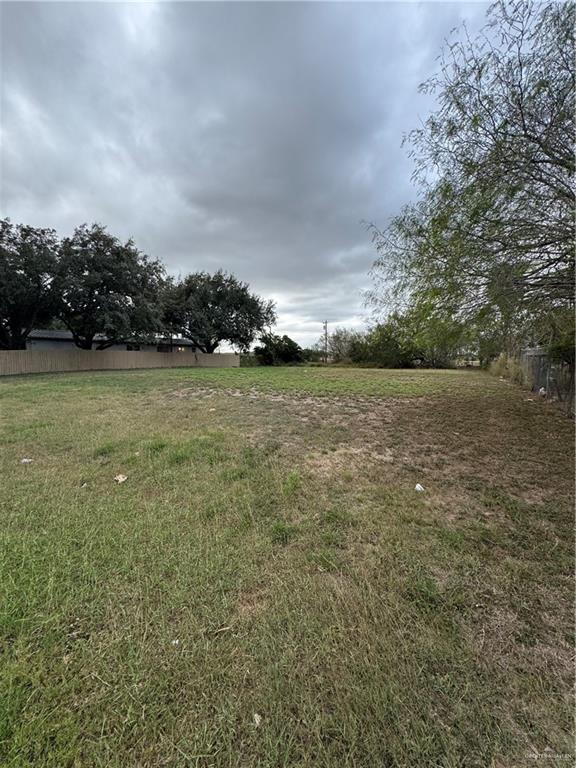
(39, 333)
(59, 335)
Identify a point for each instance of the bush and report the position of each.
(313, 356)
(517, 374)
(249, 360)
(278, 350)
(401, 341)
(498, 366)
(510, 368)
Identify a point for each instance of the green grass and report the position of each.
(268, 555)
(314, 381)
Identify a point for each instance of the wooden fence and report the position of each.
(14, 362)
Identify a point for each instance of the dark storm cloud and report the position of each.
(250, 136)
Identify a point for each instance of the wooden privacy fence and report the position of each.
(14, 362)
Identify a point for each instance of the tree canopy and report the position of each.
(106, 290)
(278, 350)
(403, 340)
(209, 309)
(491, 238)
(28, 258)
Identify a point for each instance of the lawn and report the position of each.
(267, 588)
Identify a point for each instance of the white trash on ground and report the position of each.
(419, 488)
(257, 719)
(120, 478)
(26, 461)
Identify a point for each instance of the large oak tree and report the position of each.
(209, 309)
(28, 257)
(108, 291)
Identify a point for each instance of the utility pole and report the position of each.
(325, 326)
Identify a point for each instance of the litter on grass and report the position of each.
(26, 461)
(419, 488)
(120, 478)
(257, 719)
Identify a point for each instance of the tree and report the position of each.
(388, 345)
(209, 309)
(343, 343)
(403, 340)
(434, 338)
(312, 355)
(28, 257)
(107, 290)
(278, 350)
(492, 235)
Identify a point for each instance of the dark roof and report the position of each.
(39, 333)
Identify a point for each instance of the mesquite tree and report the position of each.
(492, 234)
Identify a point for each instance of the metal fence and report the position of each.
(541, 372)
(15, 362)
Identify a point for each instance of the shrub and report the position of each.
(510, 368)
(249, 360)
(278, 350)
(517, 374)
(498, 367)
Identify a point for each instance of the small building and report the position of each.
(63, 340)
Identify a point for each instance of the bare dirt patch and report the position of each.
(251, 604)
(447, 443)
(344, 459)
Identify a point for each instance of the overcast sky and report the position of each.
(255, 137)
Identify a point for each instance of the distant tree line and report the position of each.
(402, 341)
(105, 292)
(488, 247)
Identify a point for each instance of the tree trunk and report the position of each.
(106, 344)
(12, 339)
(18, 342)
(84, 343)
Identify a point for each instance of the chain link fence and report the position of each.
(543, 373)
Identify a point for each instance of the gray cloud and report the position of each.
(250, 136)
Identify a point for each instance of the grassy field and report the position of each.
(267, 588)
